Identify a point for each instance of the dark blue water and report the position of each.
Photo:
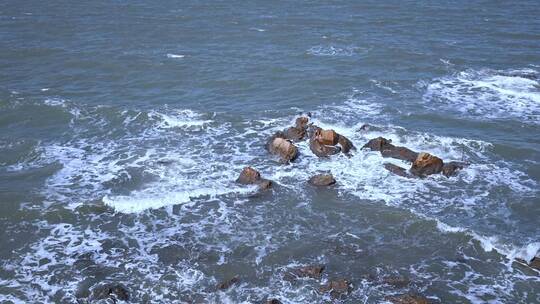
(123, 126)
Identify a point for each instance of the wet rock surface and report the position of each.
(337, 288)
(250, 176)
(452, 168)
(112, 291)
(426, 164)
(322, 180)
(224, 285)
(282, 147)
(310, 271)
(397, 170)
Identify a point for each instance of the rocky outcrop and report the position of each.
(250, 176)
(397, 170)
(228, 283)
(346, 145)
(299, 131)
(423, 164)
(337, 288)
(282, 147)
(451, 168)
(112, 291)
(322, 180)
(311, 271)
(321, 150)
(407, 299)
(426, 164)
(324, 143)
(387, 149)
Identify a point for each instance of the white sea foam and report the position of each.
(333, 50)
(175, 56)
(179, 119)
(488, 94)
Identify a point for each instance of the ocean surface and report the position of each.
(124, 124)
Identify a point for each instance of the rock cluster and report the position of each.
(423, 164)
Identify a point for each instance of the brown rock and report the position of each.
(302, 123)
(378, 144)
(312, 271)
(228, 283)
(407, 299)
(283, 148)
(451, 168)
(322, 150)
(397, 170)
(327, 137)
(346, 144)
(337, 288)
(535, 263)
(265, 184)
(396, 281)
(249, 176)
(322, 180)
(426, 164)
(295, 134)
(399, 153)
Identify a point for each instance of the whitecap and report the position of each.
(175, 56)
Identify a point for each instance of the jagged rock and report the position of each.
(312, 271)
(250, 176)
(280, 146)
(386, 148)
(336, 288)
(322, 150)
(302, 122)
(399, 153)
(407, 299)
(327, 137)
(396, 281)
(397, 170)
(295, 134)
(378, 144)
(346, 144)
(535, 263)
(426, 164)
(322, 180)
(451, 168)
(228, 283)
(113, 291)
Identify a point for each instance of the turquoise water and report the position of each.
(123, 126)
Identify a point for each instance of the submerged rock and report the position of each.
(451, 168)
(250, 176)
(322, 180)
(273, 301)
(407, 299)
(397, 170)
(113, 291)
(426, 164)
(279, 145)
(311, 271)
(337, 288)
(396, 281)
(228, 283)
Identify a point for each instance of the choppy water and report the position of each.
(124, 124)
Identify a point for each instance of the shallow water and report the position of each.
(123, 126)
